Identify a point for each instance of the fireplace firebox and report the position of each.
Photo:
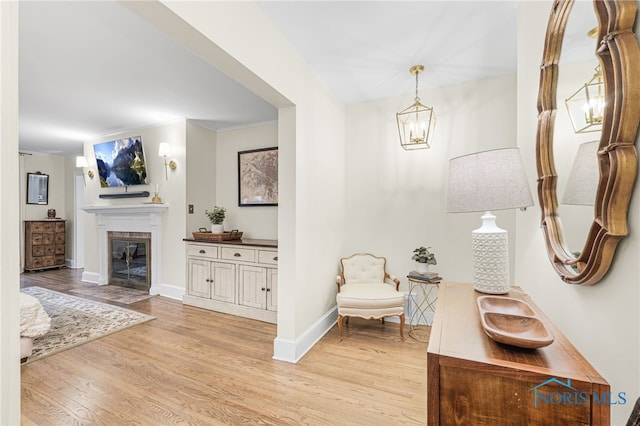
(130, 259)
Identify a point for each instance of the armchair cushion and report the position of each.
(369, 296)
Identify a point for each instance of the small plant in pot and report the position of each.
(216, 217)
(424, 257)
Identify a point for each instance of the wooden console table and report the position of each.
(473, 380)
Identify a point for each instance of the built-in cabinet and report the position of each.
(235, 278)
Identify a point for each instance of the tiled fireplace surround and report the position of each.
(128, 218)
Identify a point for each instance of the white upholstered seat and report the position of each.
(363, 290)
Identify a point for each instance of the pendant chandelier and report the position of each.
(586, 106)
(416, 122)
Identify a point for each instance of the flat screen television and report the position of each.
(121, 162)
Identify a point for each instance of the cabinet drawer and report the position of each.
(59, 226)
(36, 239)
(59, 259)
(202, 250)
(49, 250)
(230, 253)
(48, 260)
(37, 227)
(58, 239)
(49, 227)
(37, 250)
(59, 249)
(47, 238)
(268, 257)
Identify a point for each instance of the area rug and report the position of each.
(113, 293)
(75, 321)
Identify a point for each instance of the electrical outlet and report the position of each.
(190, 208)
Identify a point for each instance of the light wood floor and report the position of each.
(197, 367)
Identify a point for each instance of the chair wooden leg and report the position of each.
(340, 323)
(402, 327)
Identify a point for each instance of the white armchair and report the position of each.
(363, 291)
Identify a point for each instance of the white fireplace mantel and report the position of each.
(130, 218)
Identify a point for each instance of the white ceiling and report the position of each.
(91, 69)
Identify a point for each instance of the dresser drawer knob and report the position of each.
(202, 252)
(268, 289)
(263, 289)
(275, 258)
(237, 255)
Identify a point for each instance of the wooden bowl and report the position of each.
(512, 322)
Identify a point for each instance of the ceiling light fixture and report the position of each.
(586, 106)
(416, 122)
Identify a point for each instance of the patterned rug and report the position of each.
(113, 293)
(75, 321)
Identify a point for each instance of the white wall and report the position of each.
(171, 190)
(201, 172)
(602, 321)
(54, 166)
(396, 199)
(9, 218)
(254, 222)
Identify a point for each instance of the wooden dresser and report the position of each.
(44, 244)
(473, 380)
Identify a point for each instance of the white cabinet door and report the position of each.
(272, 289)
(224, 282)
(252, 285)
(199, 278)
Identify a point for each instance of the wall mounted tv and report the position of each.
(121, 162)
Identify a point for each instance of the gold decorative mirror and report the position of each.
(619, 58)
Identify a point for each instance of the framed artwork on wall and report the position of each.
(37, 188)
(258, 177)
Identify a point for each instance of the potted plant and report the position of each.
(216, 217)
(424, 257)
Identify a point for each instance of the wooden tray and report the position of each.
(225, 236)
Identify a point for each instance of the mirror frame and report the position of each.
(41, 197)
(619, 57)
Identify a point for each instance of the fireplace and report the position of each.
(141, 221)
(130, 259)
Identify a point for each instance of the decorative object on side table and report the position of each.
(51, 214)
(216, 217)
(424, 258)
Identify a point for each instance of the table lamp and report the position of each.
(482, 182)
(584, 177)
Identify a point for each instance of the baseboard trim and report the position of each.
(90, 277)
(293, 350)
(167, 290)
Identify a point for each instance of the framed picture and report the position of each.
(258, 177)
(37, 188)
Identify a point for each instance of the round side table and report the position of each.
(424, 295)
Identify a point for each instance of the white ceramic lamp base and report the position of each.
(490, 257)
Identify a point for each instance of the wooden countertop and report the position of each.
(457, 333)
(243, 242)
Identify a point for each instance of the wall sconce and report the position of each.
(586, 106)
(163, 151)
(416, 122)
(81, 162)
(484, 181)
